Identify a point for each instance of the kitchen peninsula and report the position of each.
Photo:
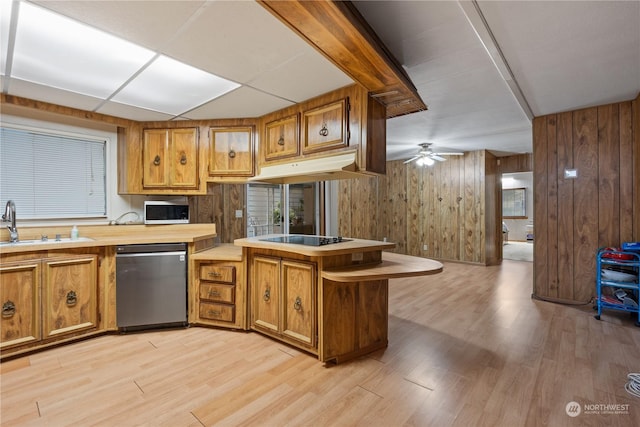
(328, 299)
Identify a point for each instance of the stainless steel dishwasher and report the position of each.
(151, 286)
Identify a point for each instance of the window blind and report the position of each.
(52, 176)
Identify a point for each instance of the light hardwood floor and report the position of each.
(466, 347)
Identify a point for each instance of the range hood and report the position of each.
(319, 169)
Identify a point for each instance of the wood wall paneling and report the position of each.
(560, 262)
(442, 206)
(574, 217)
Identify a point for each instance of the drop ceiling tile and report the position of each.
(117, 109)
(52, 95)
(242, 102)
(304, 77)
(238, 40)
(149, 23)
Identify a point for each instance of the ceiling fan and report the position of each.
(426, 156)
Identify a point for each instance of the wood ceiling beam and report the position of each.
(338, 31)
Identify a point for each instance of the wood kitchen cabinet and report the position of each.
(221, 294)
(48, 298)
(170, 158)
(282, 138)
(231, 151)
(326, 127)
(346, 120)
(20, 297)
(69, 294)
(283, 300)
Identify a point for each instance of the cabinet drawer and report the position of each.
(218, 273)
(217, 311)
(220, 293)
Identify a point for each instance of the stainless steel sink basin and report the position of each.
(41, 242)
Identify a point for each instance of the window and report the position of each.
(514, 203)
(51, 175)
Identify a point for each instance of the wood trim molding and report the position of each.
(338, 31)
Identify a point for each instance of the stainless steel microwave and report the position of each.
(159, 212)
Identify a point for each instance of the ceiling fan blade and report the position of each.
(412, 159)
(448, 154)
(438, 158)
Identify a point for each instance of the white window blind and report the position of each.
(52, 176)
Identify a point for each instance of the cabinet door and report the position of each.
(184, 151)
(155, 164)
(265, 291)
(231, 152)
(299, 301)
(326, 127)
(19, 285)
(69, 292)
(282, 138)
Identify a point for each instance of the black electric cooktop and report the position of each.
(301, 239)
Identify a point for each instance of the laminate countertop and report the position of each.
(349, 246)
(391, 265)
(108, 235)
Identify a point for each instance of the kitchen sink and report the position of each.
(41, 242)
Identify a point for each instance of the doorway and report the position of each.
(517, 216)
(283, 209)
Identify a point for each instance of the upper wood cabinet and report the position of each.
(170, 158)
(326, 127)
(344, 120)
(231, 151)
(282, 139)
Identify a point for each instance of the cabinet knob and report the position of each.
(297, 305)
(232, 154)
(323, 130)
(8, 309)
(156, 160)
(72, 299)
(183, 158)
(281, 140)
(267, 295)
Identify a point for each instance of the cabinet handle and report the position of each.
(8, 309)
(281, 140)
(214, 274)
(297, 305)
(214, 293)
(215, 313)
(232, 154)
(156, 160)
(183, 159)
(72, 299)
(267, 295)
(323, 130)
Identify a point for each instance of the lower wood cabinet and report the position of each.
(283, 300)
(46, 299)
(221, 294)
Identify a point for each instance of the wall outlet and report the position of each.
(239, 213)
(425, 247)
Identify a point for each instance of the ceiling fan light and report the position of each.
(420, 161)
(428, 161)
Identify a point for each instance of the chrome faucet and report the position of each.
(10, 215)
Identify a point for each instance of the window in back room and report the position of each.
(52, 175)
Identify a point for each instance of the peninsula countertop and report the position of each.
(347, 246)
